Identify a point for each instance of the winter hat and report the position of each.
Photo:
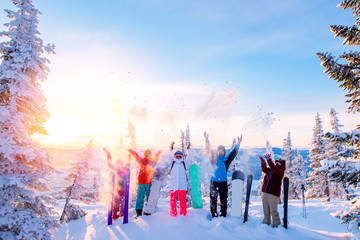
(178, 153)
(280, 162)
(147, 152)
(221, 147)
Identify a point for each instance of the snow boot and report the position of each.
(138, 212)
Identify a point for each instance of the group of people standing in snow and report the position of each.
(271, 187)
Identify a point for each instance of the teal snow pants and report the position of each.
(143, 189)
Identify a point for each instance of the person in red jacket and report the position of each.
(146, 172)
(271, 188)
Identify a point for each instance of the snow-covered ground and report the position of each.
(319, 224)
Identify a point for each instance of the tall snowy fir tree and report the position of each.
(287, 153)
(318, 178)
(289, 172)
(335, 152)
(187, 137)
(346, 74)
(25, 213)
(298, 175)
(81, 179)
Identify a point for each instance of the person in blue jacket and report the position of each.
(218, 183)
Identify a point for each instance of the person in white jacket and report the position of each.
(178, 184)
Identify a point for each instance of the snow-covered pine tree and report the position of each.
(287, 153)
(334, 152)
(290, 168)
(25, 212)
(346, 74)
(185, 144)
(187, 137)
(334, 121)
(298, 174)
(95, 170)
(268, 151)
(318, 178)
(81, 184)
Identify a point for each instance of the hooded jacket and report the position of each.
(178, 180)
(273, 177)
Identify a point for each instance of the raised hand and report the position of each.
(172, 145)
(239, 140)
(206, 135)
(267, 156)
(105, 150)
(261, 158)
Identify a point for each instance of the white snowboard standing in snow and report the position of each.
(237, 193)
(154, 195)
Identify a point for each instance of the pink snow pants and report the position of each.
(173, 200)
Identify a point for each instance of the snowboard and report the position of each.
(111, 194)
(119, 196)
(286, 199)
(194, 174)
(237, 189)
(127, 193)
(154, 195)
(248, 191)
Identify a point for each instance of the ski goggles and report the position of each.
(281, 163)
(178, 156)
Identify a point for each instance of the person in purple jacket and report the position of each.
(271, 188)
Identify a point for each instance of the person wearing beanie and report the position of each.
(218, 183)
(178, 184)
(145, 176)
(271, 188)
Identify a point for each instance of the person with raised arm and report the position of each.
(119, 188)
(218, 183)
(145, 176)
(271, 188)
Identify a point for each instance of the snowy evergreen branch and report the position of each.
(25, 212)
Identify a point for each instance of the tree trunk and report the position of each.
(66, 203)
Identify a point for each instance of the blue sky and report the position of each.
(212, 64)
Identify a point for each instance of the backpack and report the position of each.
(172, 165)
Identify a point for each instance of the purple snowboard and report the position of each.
(127, 191)
(111, 193)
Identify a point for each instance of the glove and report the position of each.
(239, 140)
(267, 156)
(206, 135)
(261, 158)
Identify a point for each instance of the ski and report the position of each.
(111, 194)
(127, 193)
(286, 198)
(237, 190)
(248, 191)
